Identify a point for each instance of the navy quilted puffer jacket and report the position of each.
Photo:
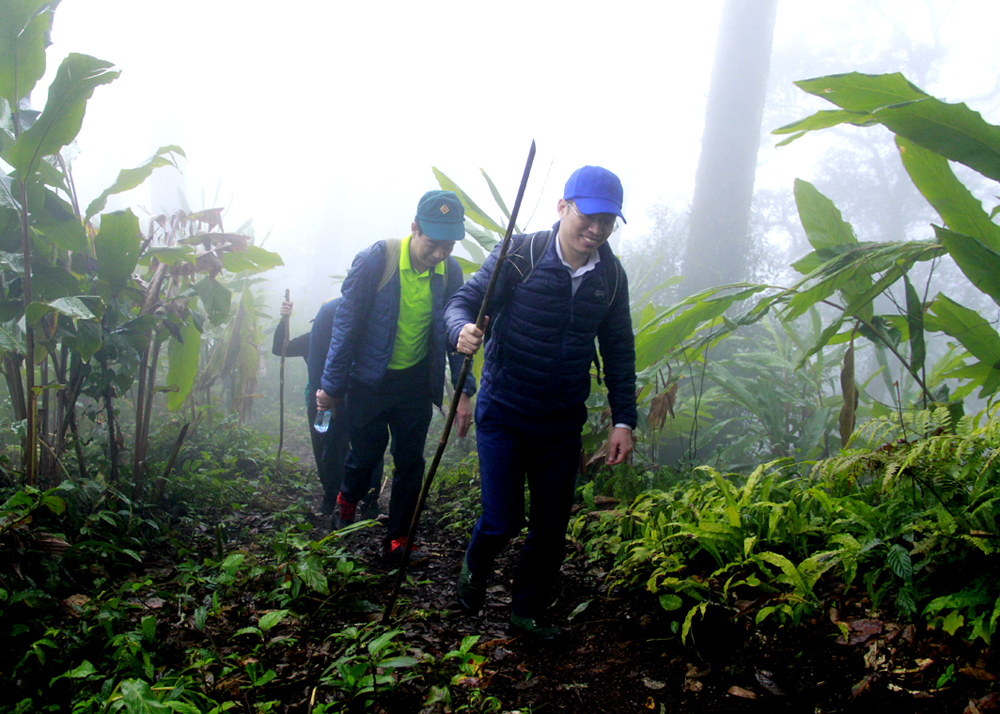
(539, 354)
(364, 328)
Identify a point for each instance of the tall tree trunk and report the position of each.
(718, 244)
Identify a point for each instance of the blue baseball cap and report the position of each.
(595, 190)
(441, 216)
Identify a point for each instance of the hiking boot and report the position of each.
(397, 547)
(343, 514)
(471, 590)
(370, 510)
(328, 506)
(533, 629)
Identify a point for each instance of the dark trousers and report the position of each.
(330, 450)
(400, 408)
(514, 447)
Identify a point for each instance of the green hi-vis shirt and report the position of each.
(413, 333)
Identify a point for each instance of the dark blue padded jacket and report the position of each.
(319, 343)
(541, 346)
(364, 328)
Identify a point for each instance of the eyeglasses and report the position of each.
(608, 225)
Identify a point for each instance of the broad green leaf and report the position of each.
(54, 503)
(838, 274)
(669, 331)
(959, 209)
(810, 262)
(254, 258)
(475, 250)
(952, 130)
(898, 560)
(60, 121)
(11, 337)
(379, 643)
(216, 298)
(792, 574)
(84, 670)
(485, 239)
(117, 245)
(915, 322)
(233, 562)
(148, 624)
(10, 227)
(980, 263)
(71, 307)
(397, 663)
(169, 254)
(272, 618)
(824, 225)
(953, 621)
(88, 338)
(49, 282)
(24, 35)
(822, 120)
(698, 609)
(139, 698)
(467, 266)
(314, 575)
(962, 599)
(498, 198)
(472, 211)
(858, 92)
(974, 332)
(670, 602)
(74, 307)
(53, 220)
(183, 364)
(130, 178)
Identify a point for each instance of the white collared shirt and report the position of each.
(576, 276)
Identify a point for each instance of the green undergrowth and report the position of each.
(223, 596)
(218, 596)
(904, 520)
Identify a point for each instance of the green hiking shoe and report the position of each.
(471, 590)
(531, 628)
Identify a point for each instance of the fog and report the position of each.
(321, 122)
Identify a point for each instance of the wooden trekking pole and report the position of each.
(466, 366)
(286, 319)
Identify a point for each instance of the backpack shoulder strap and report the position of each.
(617, 279)
(528, 253)
(392, 250)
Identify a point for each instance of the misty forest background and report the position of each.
(818, 366)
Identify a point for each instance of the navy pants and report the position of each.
(330, 450)
(545, 451)
(401, 407)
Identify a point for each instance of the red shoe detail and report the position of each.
(347, 509)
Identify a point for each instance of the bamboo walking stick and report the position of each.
(281, 388)
(466, 366)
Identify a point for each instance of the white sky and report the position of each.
(322, 120)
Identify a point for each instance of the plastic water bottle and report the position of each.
(323, 420)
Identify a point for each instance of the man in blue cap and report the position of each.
(557, 292)
(387, 355)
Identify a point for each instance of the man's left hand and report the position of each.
(463, 415)
(619, 445)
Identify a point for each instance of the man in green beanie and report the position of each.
(386, 359)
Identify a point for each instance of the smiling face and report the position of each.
(426, 253)
(580, 235)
